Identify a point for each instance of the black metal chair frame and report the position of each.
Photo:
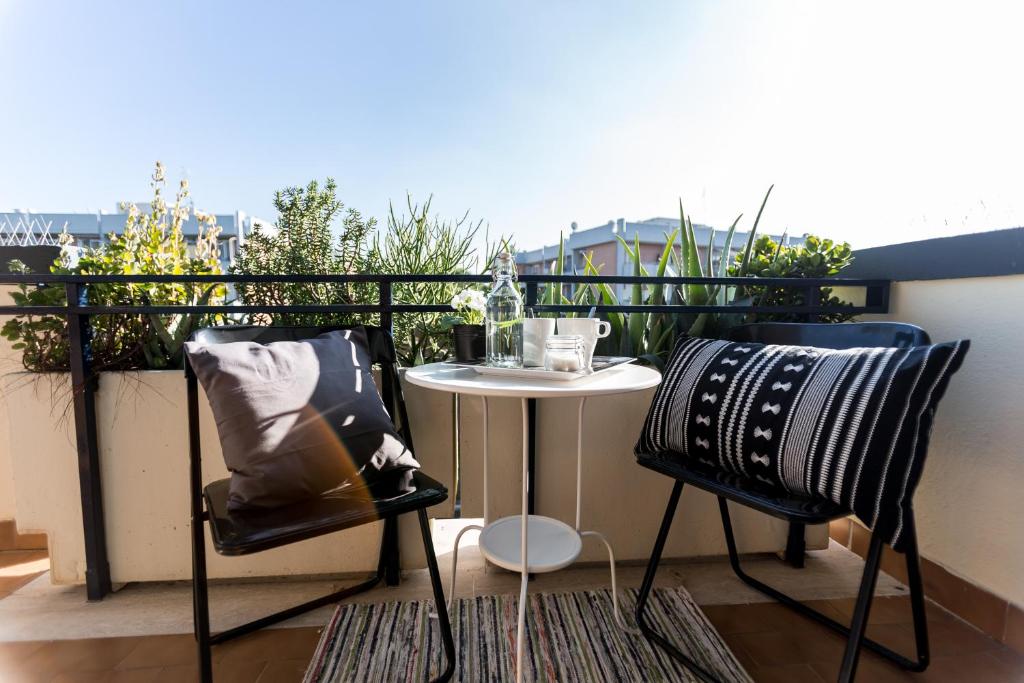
(797, 511)
(388, 567)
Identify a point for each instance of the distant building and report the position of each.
(608, 252)
(30, 228)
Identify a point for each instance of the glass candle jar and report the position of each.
(565, 353)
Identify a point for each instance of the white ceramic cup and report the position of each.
(535, 332)
(591, 329)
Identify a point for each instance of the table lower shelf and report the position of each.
(551, 544)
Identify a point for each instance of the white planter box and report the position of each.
(144, 465)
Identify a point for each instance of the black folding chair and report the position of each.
(242, 534)
(796, 510)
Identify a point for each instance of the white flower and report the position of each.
(470, 304)
(476, 301)
(69, 255)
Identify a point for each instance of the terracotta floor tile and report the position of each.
(183, 673)
(233, 672)
(151, 675)
(1010, 656)
(8, 534)
(161, 651)
(19, 567)
(884, 610)
(894, 564)
(74, 656)
(742, 656)
(973, 604)
(839, 531)
(956, 637)
(31, 542)
(13, 657)
(828, 608)
(10, 558)
(13, 652)
(793, 646)
(284, 671)
(282, 643)
(760, 616)
(870, 667)
(980, 667)
(1014, 635)
(788, 673)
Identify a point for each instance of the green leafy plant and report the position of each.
(815, 258)
(152, 243)
(421, 244)
(303, 243)
(651, 336)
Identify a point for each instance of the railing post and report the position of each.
(812, 297)
(83, 385)
(531, 294)
(878, 296)
(386, 318)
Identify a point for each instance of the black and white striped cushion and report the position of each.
(850, 426)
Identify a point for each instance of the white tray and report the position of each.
(600, 364)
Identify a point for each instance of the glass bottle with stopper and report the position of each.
(504, 316)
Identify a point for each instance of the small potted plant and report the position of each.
(467, 324)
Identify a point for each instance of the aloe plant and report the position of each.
(650, 336)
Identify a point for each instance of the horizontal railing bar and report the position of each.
(49, 278)
(423, 308)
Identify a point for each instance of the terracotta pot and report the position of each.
(470, 342)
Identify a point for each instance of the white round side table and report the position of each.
(543, 544)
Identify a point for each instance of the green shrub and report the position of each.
(413, 244)
(418, 244)
(651, 336)
(151, 244)
(815, 258)
(303, 244)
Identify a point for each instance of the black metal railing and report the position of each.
(77, 310)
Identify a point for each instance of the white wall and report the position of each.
(10, 361)
(969, 500)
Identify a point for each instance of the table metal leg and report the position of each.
(487, 511)
(579, 506)
(615, 590)
(524, 526)
(455, 563)
(579, 460)
(531, 467)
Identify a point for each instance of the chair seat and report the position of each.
(251, 531)
(749, 492)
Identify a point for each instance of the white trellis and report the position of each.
(28, 231)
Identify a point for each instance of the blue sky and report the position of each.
(877, 123)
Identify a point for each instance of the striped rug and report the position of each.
(571, 637)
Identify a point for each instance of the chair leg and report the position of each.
(200, 599)
(917, 596)
(439, 601)
(869, 578)
(393, 564)
(796, 547)
(315, 603)
(859, 623)
(648, 584)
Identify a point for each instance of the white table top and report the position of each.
(617, 380)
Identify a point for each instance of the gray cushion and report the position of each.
(298, 419)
